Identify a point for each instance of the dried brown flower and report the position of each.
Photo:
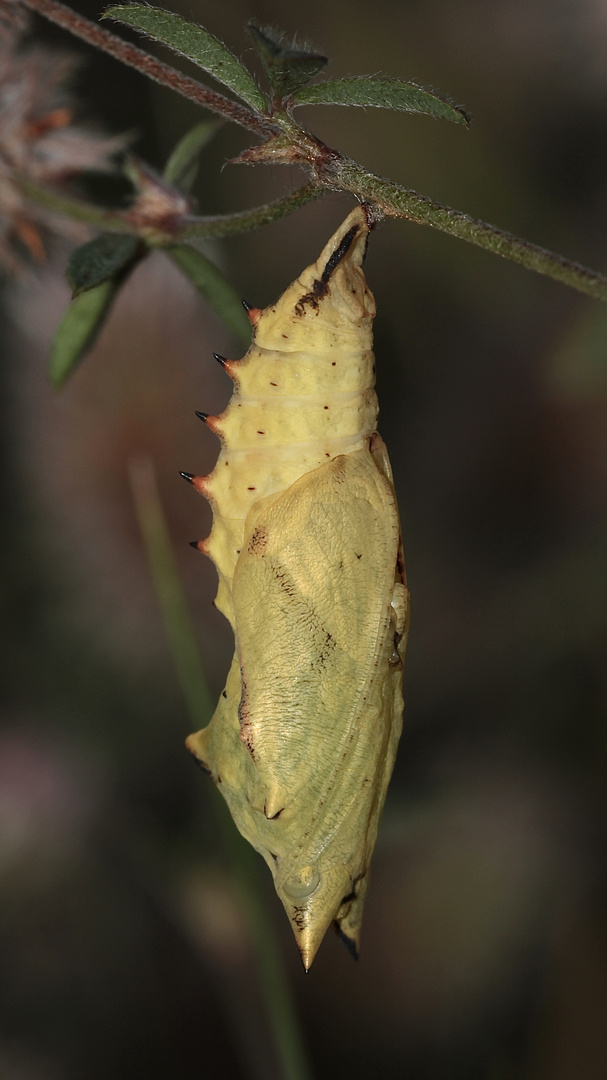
(38, 140)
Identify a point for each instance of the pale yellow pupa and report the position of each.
(306, 542)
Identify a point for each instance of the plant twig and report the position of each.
(337, 172)
(397, 201)
(175, 614)
(228, 224)
(148, 65)
(71, 207)
(278, 998)
(290, 144)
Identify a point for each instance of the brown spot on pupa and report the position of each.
(320, 287)
(244, 717)
(189, 745)
(260, 432)
(339, 469)
(283, 579)
(273, 384)
(251, 489)
(325, 406)
(299, 917)
(246, 737)
(326, 650)
(258, 541)
(400, 562)
(348, 898)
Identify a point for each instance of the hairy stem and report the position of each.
(401, 202)
(148, 65)
(71, 207)
(185, 228)
(229, 224)
(330, 169)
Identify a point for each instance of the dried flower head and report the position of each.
(38, 141)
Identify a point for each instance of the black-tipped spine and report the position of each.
(204, 416)
(220, 359)
(194, 544)
(248, 307)
(189, 476)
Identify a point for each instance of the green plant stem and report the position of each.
(397, 201)
(229, 224)
(279, 1001)
(71, 207)
(186, 228)
(290, 144)
(148, 65)
(173, 605)
(280, 1008)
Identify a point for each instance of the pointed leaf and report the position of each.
(78, 329)
(287, 67)
(100, 259)
(195, 43)
(213, 286)
(180, 170)
(382, 92)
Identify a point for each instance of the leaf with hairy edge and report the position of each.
(100, 259)
(180, 170)
(383, 92)
(78, 329)
(287, 67)
(196, 44)
(213, 286)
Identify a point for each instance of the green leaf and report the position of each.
(213, 286)
(78, 329)
(180, 169)
(100, 259)
(287, 67)
(383, 92)
(196, 44)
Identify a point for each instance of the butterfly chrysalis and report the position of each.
(306, 541)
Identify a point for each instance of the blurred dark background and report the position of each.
(123, 951)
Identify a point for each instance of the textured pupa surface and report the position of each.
(306, 541)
